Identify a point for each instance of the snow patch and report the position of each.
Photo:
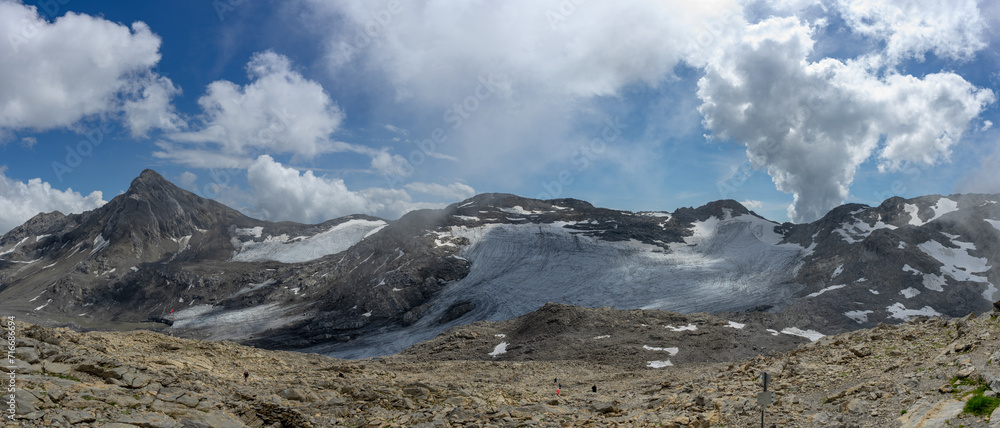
(812, 335)
(44, 305)
(501, 335)
(689, 327)
(873, 291)
(367, 314)
(899, 311)
(908, 268)
(658, 364)
(499, 349)
(672, 350)
(994, 223)
(837, 271)
(859, 317)
(773, 332)
(53, 264)
(736, 325)
(830, 288)
(14, 248)
(602, 337)
(99, 244)
(303, 249)
(909, 292)
(958, 263)
(134, 269)
(466, 217)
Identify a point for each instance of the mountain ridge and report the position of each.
(360, 286)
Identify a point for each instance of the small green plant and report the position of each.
(981, 406)
(902, 412)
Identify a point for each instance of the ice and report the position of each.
(41, 237)
(374, 231)
(466, 217)
(332, 241)
(812, 335)
(501, 335)
(367, 314)
(990, 292)
(899, 311)
(499, 349)
(606, 336)
(934, 282)
(134, 269)
(36, 297)
(48, 266)
(908, 268)
(255, 287)
(517, 209)
(858, 316)
(902, 245)
(99, 244)
(909, 292)
(773, 332)
(830, 288)
(672, 350)
(736, 325)
(182, 243)
(255, 232)
(658, 364)
(942, 207)
(223, 324)
(689, 327)
(735, 266)
(994, 223)
(656, 214)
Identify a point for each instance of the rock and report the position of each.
(75, 417)
(26, 354)
(417, 392)
(136, 380)
(966, 372)
(857, 406)
(148, 420)
(304, 395)
(99, 371)
(861, 350)
(56, 368)
(929, 413)
(946, 389)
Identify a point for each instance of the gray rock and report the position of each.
(148, 420)
(26, 354)
(78, 417)
(56, 368)
(136, 380)
(99, 371)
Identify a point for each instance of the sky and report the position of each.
(307, 110)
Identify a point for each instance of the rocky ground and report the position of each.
(915, 374)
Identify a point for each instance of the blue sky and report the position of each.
(307, 110)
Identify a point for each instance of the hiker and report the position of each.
(593, 388)
(559, 390)
(246, 375)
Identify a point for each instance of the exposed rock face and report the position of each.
(918, 373)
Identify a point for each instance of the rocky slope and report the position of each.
(918, 373)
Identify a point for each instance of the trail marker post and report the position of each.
(764, 398)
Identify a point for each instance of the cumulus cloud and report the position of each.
(188, 180)
(279, 111)
(811, 124)
(23, 200)
(909, 29)
(454, 191)
(53, 74)
(151, 107)
(283, 193)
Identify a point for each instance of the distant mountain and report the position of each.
(360, 286)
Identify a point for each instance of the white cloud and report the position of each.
(454, 191)
(52, 75)
(188, 180)
(506, 80)
(283, 193)
(279, 111)
(23, 200)
(811, 124)
(151, 107)
(910, 28)
(752, 205)
(29, 142)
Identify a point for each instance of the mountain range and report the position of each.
(361, 286)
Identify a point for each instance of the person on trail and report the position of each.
(559, 390)
(593, 388)
(246, 375)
